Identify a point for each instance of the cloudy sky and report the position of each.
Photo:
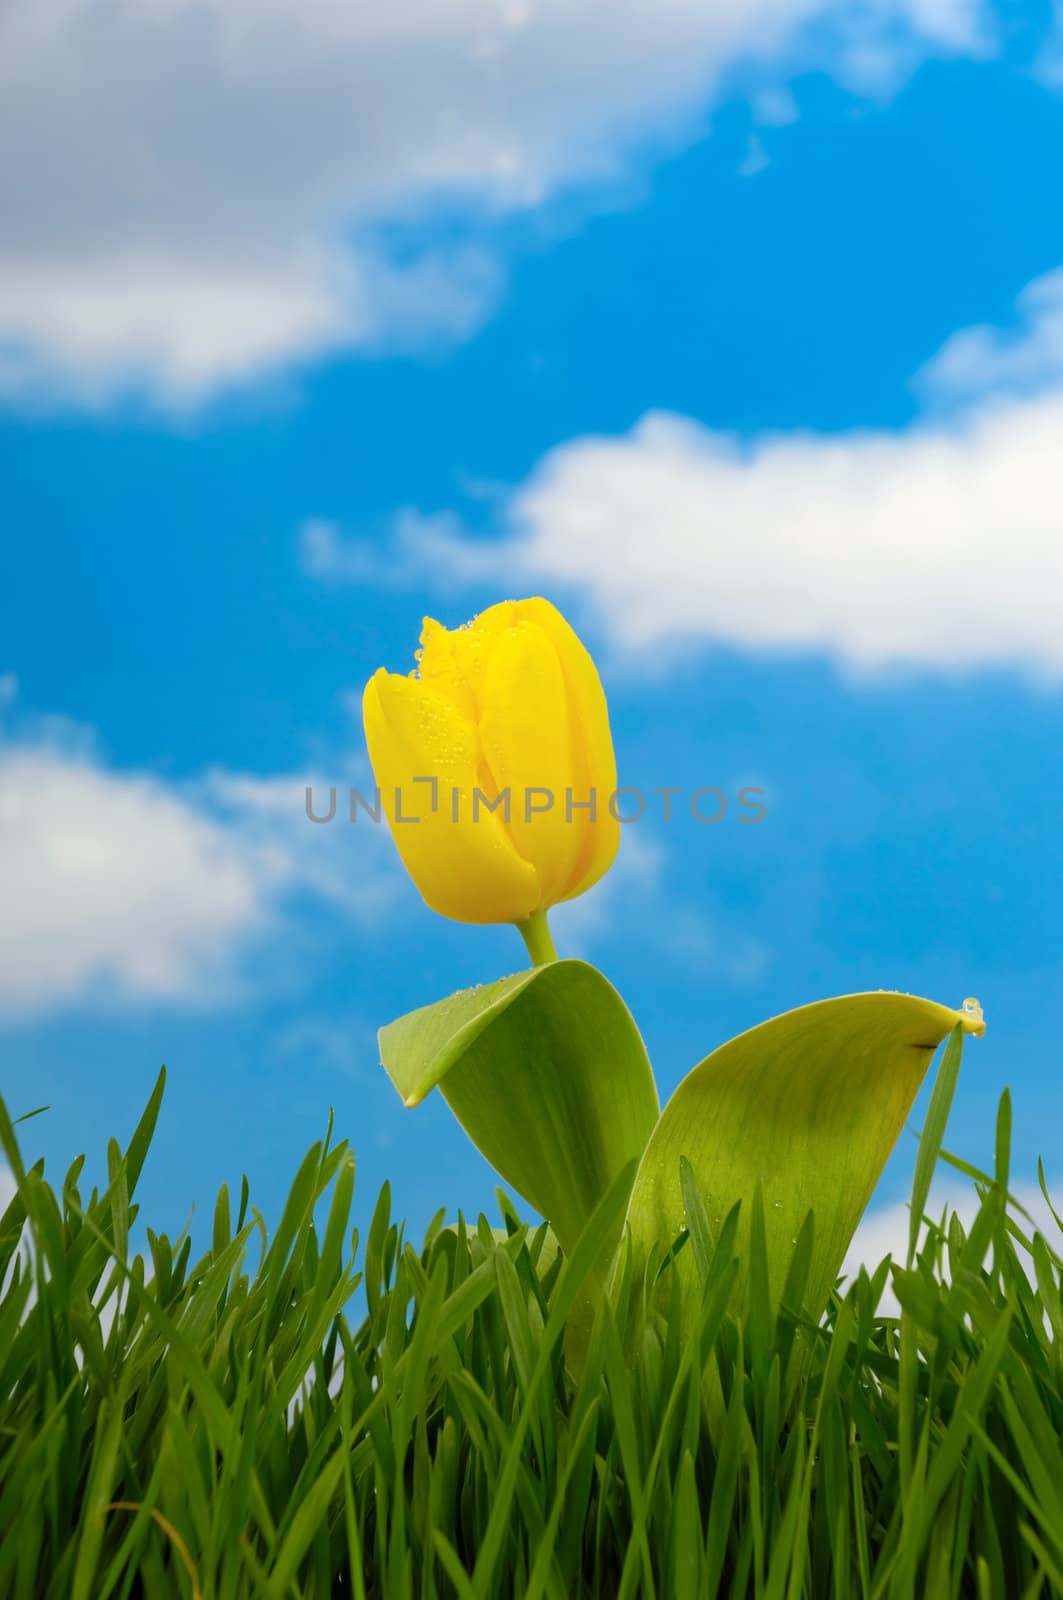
(737, 331)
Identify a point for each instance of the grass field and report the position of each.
(315, 1414)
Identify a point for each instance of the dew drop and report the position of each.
(972, 1008)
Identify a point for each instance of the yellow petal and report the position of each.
(440, 667)
(592, 741)
(454, 660)
(527, 741)
(466, 870)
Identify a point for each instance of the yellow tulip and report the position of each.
(507, 711)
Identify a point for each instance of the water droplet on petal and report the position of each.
(971, 1010)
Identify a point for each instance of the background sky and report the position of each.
(737, 332)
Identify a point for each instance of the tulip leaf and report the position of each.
(808, 1104)
(548, 1075)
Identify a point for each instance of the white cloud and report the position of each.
(414, 542)
(199, 190)
(343, 1044)
(951, 22)
(119, 889)
(1023, 359)
(327, 554)
(884, 1230)
(938, 546)
(353, 866)
(111, 881)
(934, 547)
(93, 328)
(8, 689)
(775, 108)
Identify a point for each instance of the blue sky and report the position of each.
(741, 339)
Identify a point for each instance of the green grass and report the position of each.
(231, 1426)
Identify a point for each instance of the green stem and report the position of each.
(535, 931)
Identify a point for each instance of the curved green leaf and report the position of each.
(548, 1075)
(809, 1105)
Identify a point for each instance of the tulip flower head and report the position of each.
(495, 764)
